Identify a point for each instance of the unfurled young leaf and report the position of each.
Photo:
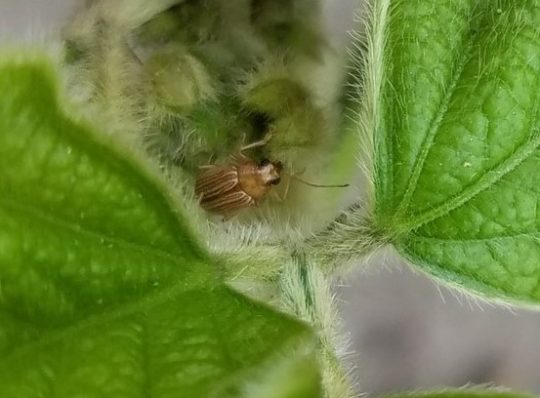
(104, 289)
(456, 136)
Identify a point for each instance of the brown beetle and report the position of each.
(230, 188)
(243, 183)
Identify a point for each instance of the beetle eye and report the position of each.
(276, 181)
(264, 162)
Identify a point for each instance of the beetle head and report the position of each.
(270, 171)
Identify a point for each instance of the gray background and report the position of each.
(405, 332)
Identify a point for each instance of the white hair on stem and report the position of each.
(353, 235)
(306, 293)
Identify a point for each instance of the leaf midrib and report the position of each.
(129, 246)
(434, 125)
(488, 179)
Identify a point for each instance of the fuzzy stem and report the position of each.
(349, 238)
(306, 293)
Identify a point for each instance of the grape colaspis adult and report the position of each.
(242, 183)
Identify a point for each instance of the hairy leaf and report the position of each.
(457, 185)
(104, 291)
(461, 393)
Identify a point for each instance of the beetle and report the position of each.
(244, 182)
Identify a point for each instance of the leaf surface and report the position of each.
(456, 178)
(461, 393)
(104, 289)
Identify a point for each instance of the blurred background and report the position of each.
(405, 332)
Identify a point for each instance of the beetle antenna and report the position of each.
(319, 185)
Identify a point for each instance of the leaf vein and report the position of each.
(83, 230)
(487, 180)
(433, 129)
(533, 235)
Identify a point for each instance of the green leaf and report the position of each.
(461, 393)
(104, 290)
(457, 182)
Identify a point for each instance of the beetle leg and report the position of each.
(288, 176)
(239, 158)
(287, 186)
(257, 144)
(281, 198)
